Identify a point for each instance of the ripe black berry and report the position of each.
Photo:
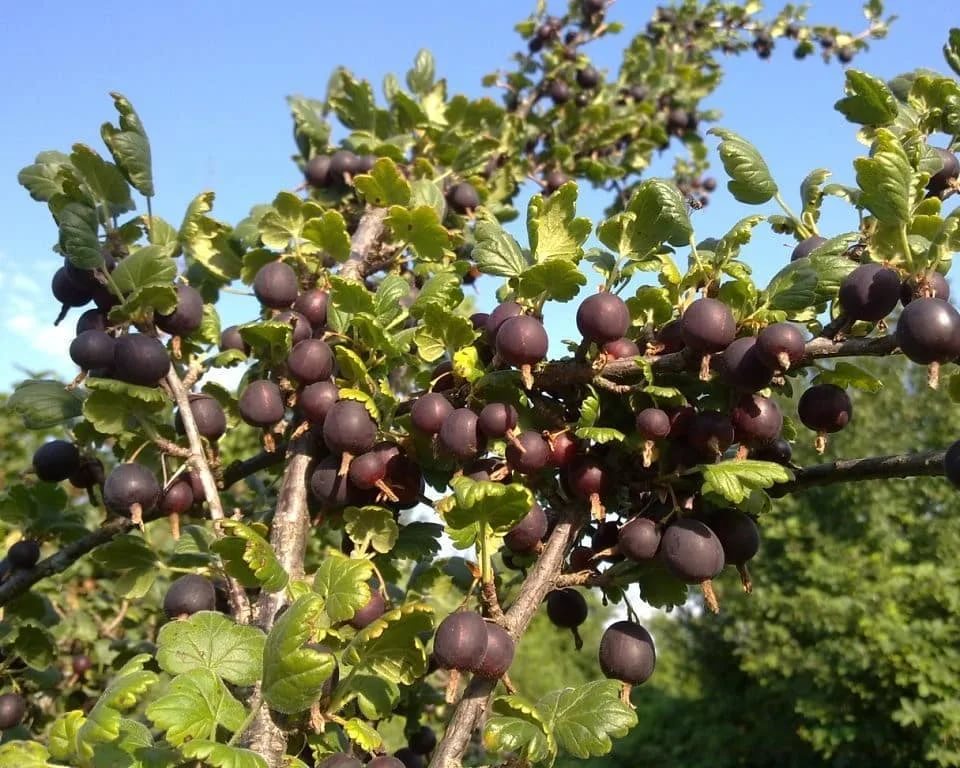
(559, 92)
(177, 498)
(302, 330)
(369, 612)
(81, 664)
(742, 367)
(496, 419)
(316, 400)
(329, 487)
(93, 349)
(92, 320)
(778, 451)
(499, 316)
(343, 162)
(24, 554)
(586, 477)
(567, 608)
(710, 433)
(429, 411)
(951, 464)
(208, 415)
(68, 291)
(385, 761)
(670, 337)
(409, 758)
(313, 306)
(460, 435)
(87, 474)
(805, 247)
(317, 171)
(230, 338)
(928, 331)
(463, 198)
(627, 653)
(869, 293)
(460, 641)
(825, 408)
(554, 180)
(128, 485)
(56, 460)
(781, 345)
(276, 285)
(527, 534)
(261, 404)
(140, 359)
(948, 173)
(13, 707)
(563, 449)
(639, 539)
(756, 419)
(187, 315)
(348, 428)
(691, 551)
(707, 326)
(529, 453)
(310, 361)
(738, 535)
(653, 424)
(522, 340)
(498, 655)
(618, 349)
(188, 595)
(340, 760)
(603, 317)
(588, 77)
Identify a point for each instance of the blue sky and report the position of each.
(209, 84)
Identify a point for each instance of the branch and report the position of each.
(241, 469)
(21, 580)
(470, 710)
(902, 465)
(239, 604)
(363, 245)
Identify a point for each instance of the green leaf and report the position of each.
(63, 739)
(147, 266)
(350, 296)
(442, 290)
(557, 279)
(79, 228)
(43, 403)
(659, 216)
(792, 289)
(329, 233)
(129, 146)
(601, 435)
(310, 128)
(497, 505)
(209, 640)
(24, 754)
(206, 240)
(846, 374)
(269, 339)
(650, 305)
(112, 413)
(951, 49)
(868, 101)
(553, 228)
(193, 706)
(132, 681)
(384, 185)
(343, 583)
(103, 179)
(495, 251)
(221, 755)
(442, 331)
(750, 179)
(259, 556)
(371, 527)
(426, 192)
(375, 696)
(583, 719)
(140, 304)
(284, 221)
(886, 178)
(362, 734)
(739, 235)
(44, 178)
(735, 479)
(420, 78)
(293, 675)
(517, 727)
(421, 228)
(391, 647)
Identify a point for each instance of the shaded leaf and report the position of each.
(209, 640)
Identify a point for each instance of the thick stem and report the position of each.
(469, 713)
(363, 245)
(239, 604)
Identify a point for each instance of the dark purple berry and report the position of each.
(463, 198)
(553, 181)
(778, 451)
(691, 551)
(13, 708)
(603, 317)
(825, 408)
(460, 641)
(187, 315)
(869, 293)
(276, 285)
(261, 404)
(588, 77)
(496, 419)
(738, 535)
(128, 485)
(498, 655)
(310, 361)
(461, 436)
(522, 340)
(653, 424)
(313, 306)
(950, 169)
(302, 330)
(805, 247)
(24, 554)
(639, 539)
(88, 474)
(501, 314)
(140, 359)
(618, 349)
(627, 653)
(781, 346)
(317, 172)
(422, 741)
(928, 331)
(316, 400)
(756, 419)
(711, 433)
(68, 291)
(371, 611)
(529, 453)
(230, 338)
(93, 349)
(92, 320)
(708, 326)
(930, 284)
(349, 428)
(56, 460)
(566, 608)
(177, 498)
(208, 415)
(951, 464)
(742, 366)
(188, 595)
(429, 411)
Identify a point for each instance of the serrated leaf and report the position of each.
(293, 674)
(442, 289)
(792, 289)
(258, 555)
(129, 146)
(517, 727)
(420, 77)
(350, 296)
(583, 719)
(384, 185)
(846, 374)
(443, 331)
(375, 696)
(42, 403)
(362, 734)
(43, 179)
(481, 502)
(371, 527)
(343, 583)
(122, 693)
(206, 240)
(151, 396)
(147, 266)
(657, 215)
(735, 479)
(601, 434)
(495, 251)
(221, 755)
(270, 339)
(209, 640)
(418, 541)
(886, 179)
(420, 227)
(553, 228)
(103, 179)
(391, 647)
(284, 221)
(387, 301)
(750, 179)
(739, 235)
(557, 279)
(24, 754)
(426, 192)
(329, 233)
(79, 227)
(868, 101)
(310, 128)
(111, 413)
(63, 739)
(193, 706)
(951, 50)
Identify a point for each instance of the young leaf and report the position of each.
(375, 696)
(497, 505)
(495, 251)
(221, 755)
(886, 178)
(147, 266)
(583, 719)
(371, 527)
(42, 404)
(103, 179)
(129, 146)
(129, 685)
(329, 233)
(384, 185)
(194, 705)
(553, 228)
(735, 479)
(343, 583)
(558, 279)
(750, 179)
(293, 674)
(209, 640)
(79, 228)
(391, 647)
(868, 101)
(421, 228)
(258, 556)
(362, 734)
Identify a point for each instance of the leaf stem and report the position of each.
(801, 228)
(149, 221)
(486, 568)
(254, 709)
(907, 252)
